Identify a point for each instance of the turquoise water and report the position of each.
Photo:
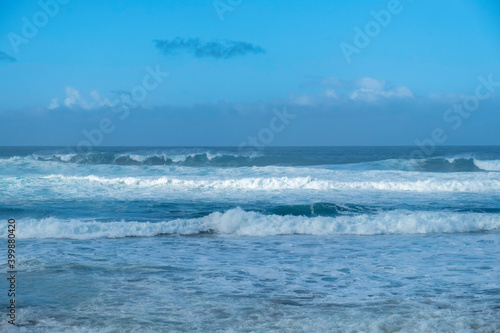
(291, 239)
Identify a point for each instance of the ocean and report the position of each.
(282, 239)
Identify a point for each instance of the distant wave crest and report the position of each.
(459, 164)
(254, 158)
(157, 158)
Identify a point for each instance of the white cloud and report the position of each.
(75, 99)
(95, 95)
(99, 101)
(54, 104)
(371, 90)
(331, 93)
(332, 90)
(371, 84)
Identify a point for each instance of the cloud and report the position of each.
(224, 49)
(6, 58)
(54, 104)
(74, 99)
(331, 93)
(332, 90)
(370, 90)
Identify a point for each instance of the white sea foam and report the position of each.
(385, 182)
(491, 165)
(137, 157)
(12, 159)
(242, 223)
(65, 157)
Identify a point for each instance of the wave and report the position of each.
(320, 209)
(448, 165)
(459, 164)
(187, 157)
(491, 165)
(249, 159)
(155, 158)
(428, 184)
(337, 158)
(238, 222)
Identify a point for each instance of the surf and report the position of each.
(238, 222)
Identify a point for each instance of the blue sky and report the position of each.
(230, 63)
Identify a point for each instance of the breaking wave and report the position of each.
(426, 184)
(254, 158)
(238, 222)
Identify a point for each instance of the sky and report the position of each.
(241, 72)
